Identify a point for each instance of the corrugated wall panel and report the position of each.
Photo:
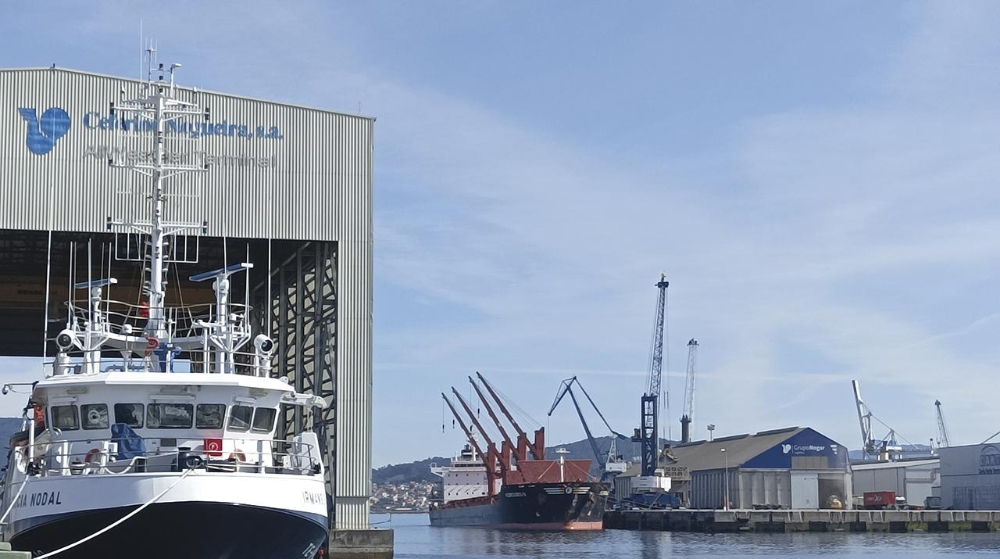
(295, 198)
(355, 298)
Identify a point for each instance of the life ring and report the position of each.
(568, 490)
(238, 456)
(93, 455)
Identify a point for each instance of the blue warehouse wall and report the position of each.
(805, 443)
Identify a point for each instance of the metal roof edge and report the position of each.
(188, 88)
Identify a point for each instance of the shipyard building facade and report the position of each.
(791, 468)
(970, 477)
(287, 188)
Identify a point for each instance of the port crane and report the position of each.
(885, 449)
(942, 430)
(612, 464)
(647, 433)
(687, 414)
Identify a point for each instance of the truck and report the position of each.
(878, 500)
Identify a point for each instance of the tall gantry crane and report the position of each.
(687, 415)
(647, 433)
(942, 430)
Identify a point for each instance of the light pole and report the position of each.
(711, 427)
(725, 502)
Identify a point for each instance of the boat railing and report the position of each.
(182, 321)
(270, 456)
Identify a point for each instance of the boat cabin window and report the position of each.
(95, 416)
(239, 418)
(129, 414)
(263, 420)
(169, 416)
(65, 418)
(209, 416)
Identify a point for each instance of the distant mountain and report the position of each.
(419, 471)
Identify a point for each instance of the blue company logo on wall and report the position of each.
(798, 449)
(45, 131)
(989, 460)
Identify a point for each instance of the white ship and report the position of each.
(123, 457)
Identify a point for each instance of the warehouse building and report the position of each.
(913, 479)
(288, 188)
(970, 477)
(795, 468)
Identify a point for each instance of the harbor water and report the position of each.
(415, 538)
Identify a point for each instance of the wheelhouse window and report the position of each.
(169, 416)
(65, 418)
(95, 416)
(209, 416)
(263, 420)
(240, 418)
(129, 414)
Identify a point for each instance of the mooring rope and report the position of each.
(117, 522)
(12, 503)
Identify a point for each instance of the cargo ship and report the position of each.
(514, 486)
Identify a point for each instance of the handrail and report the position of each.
(263, 456)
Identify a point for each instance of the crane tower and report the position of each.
(647, 433)
(687, 415)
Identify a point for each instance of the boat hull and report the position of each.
(192, 530)
(536, 506)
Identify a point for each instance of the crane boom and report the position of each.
(468, 410)
(687, 414)
(536, 453)
(465, 428)
(865, 420)
(656, 354)
(567, 388)
(942, 430)
(610, 466)
(493, 416)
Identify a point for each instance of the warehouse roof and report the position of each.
(708, 455)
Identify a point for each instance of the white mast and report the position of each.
(157, 108)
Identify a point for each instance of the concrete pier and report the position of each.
(360, 544)
(713, 521)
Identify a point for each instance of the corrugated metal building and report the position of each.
(288, 187)
(912, 479)
(970, 477)
(789, 468)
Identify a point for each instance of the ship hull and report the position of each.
(192, 530)
(536, 506)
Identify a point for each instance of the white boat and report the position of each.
(124, 457)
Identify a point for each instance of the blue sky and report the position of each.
(816, 179)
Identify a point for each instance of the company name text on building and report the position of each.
(199, 158)
(93, 120)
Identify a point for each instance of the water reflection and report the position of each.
(415, 538)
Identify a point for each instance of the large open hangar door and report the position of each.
(300, 292)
